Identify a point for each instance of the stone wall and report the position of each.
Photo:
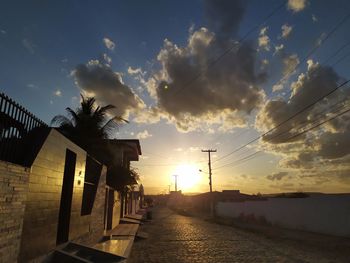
(13, 189)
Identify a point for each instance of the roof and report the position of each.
(131, 147)
(134, 142)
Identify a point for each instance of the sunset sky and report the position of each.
(192, 75)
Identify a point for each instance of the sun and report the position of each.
(188, 177)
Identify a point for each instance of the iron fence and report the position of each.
(15, 125)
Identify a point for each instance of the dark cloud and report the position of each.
(277, 176)
(194, 90)
(317, 81)
(99, 80)
(226, 92)
(321, 150)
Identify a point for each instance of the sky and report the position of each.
(193, 75)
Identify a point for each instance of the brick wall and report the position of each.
(13, 189)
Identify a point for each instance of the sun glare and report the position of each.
(188, 177)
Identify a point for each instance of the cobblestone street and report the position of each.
(177, 238)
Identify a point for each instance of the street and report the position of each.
(177, 238)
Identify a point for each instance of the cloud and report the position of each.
(224, 94)
(264, 40)
(108, 43)
(99, 80)
(314, 18)
(286, 31)
(320, 39)
(277, 87)
(297, 5)
(32, 86)
(143, 135)
(321, 150)
(277, 176)
(264, 63)
(3, 31)
(28, 45)
(135, 71)
(317, 80)
(106, 59)
(290, 62)
(278, 49)
(58, 93)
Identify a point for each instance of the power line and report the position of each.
(236, 161)
(319, 124)
(336, 52)
(285, 121)
(252, 156)
(306, 122)
(216, 60)
(315, 48)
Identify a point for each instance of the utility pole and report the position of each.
(175, 175)
(209, 151)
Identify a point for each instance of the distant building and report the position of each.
(202, 201)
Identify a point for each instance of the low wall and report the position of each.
(326, 214)
(13, 194)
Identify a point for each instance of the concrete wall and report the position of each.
(96, 223)
(44, 193)
(116, 209)
(327, 214)
(13, 194)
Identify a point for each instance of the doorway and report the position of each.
(66, 198)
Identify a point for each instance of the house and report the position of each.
(52, 191)
(118, 195)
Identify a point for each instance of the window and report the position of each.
(92, 176)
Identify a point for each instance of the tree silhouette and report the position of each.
(89, 123)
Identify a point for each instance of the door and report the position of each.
(110, 205)
(66, 198)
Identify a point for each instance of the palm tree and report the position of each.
(88, 124)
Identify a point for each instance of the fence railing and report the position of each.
(15, 124)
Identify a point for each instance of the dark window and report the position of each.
(92, 176)
(66, 198)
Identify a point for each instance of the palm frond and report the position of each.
(61, 120)
(73, 114)
(107, 108)
(112, 124)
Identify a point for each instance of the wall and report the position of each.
(96, 224)
(116, 209)
(13, 189)
(327, 214)
(43, 202)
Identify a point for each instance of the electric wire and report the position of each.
(293, 136)
(286, 120)
(216, 60)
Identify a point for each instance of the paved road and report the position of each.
(176, 238)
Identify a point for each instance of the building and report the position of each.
(52, 191)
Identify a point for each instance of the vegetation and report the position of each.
(89, 126)
(89, 123)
